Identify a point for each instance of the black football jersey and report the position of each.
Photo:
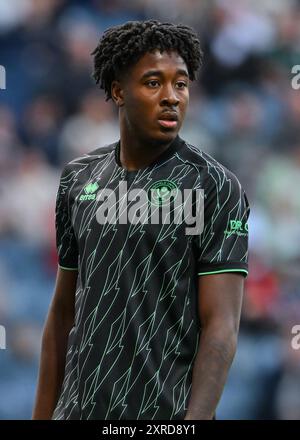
(136, 331)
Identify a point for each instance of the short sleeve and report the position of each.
(223, 243)
(66, 242)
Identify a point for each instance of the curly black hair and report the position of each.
(122, 46)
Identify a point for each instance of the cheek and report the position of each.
(186, 97)
(184, 102)
(147, 98)
(143, 104)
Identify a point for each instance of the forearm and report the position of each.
(52, 366)
(211, 366)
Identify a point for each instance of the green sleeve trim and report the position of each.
(68, 268)
(224, 271)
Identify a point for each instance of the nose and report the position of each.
(169, 96)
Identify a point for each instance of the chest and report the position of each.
(161, 207)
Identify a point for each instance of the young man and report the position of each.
(152, 329)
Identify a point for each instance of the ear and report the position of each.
(117, 93)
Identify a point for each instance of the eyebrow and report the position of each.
(160, 73)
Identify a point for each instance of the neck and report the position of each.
(137, 153)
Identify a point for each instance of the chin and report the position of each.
(166, 135)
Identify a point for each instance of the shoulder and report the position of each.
(82, 162)
(214, 175)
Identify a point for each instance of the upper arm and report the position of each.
(63, 301)
(219, 302)
(66, 242)
(222, 259)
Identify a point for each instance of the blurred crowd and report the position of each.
(243, 111)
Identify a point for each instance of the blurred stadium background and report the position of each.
(243, 111)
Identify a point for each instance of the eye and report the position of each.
(181, 84)
(152, 83)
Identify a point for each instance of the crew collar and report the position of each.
(176, 144)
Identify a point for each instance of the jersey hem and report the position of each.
(68, 268)
(244, 271)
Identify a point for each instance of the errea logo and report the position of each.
(237, 227)
(89, 190)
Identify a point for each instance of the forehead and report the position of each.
(165, 62)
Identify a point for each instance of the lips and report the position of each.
(168, 119)
(167, 124)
